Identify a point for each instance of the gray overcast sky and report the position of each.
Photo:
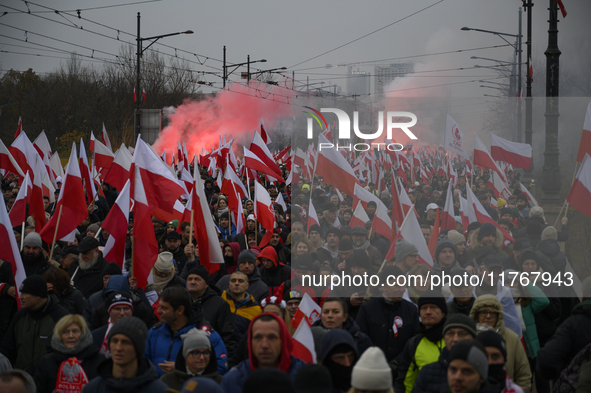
(287, 33)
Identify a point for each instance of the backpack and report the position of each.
(569, 377)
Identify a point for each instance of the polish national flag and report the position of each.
(103, 157)
(580, 192)
(19, 128)
(105, 137)
(517, 154)
(252, 161)
(264, 135)
(530, 197)
(279, 200)
(397, 212)
(24, 154)
(9, 252)
(210, 253)
(308, 310)
(410, 230)
(482, 158)
(382, 223)
(56, 165)
(120, 168)
(585, 144)
(467, 213)
(359, 217)
(312, 216)
(7, 162)
(303, 344)
(405, 201)
(35, 198)
(86, 176)
(334, 169)
(482, 215)
(18, 212)
(501, 190)
(116, 224)
(260, 150)
(48, 188)
(447, 215)
(42, 145)
(70, 205)
(361, 195)
(263, 212)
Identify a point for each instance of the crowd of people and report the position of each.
(82, 323)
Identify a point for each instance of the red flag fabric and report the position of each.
(334, 169)
(308, 311)
(134, 95)
(103, 157)
(410, 230)
(106, 140)
(86, 176)
(263, 212)
(35, 198)
(18, 211)
(482, 158)
(312, 216)
(24, 154)
(482, 215)
(447, 216)
(254, 162)
(264, 135)
(585, 144)
(120, 168)
(517, 154)
(71, 203)
(7, 162)
(382, 223)
(434, 235)
(580, 192)
(116, 223)
(562, 9)
(42, 145)
(210, 253)
(19, 128)
(9, 251)
(530, 197)
(260, 149)
(359, 217)
(303, 344)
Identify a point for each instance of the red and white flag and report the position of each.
(120, 168)
(19, 128)
(24, 154)
(116, 223)
(18, 212)
(312, 216)
(260, 150)
(359, 217)
(35, 198)
(86, 176)
(308, 310)
(482, 158)
(264, 135)
(263, 212)
(252, 161)
(103, 158)
(106, 140)
(70, 203)
(580, 192)
(42, 146)
(56, 165)
(334, 169)
(501, 190)
(303, 344)
(467, 213)
(210, 253)
(410, 230)
(585, 144)
(517, 154)
(382, 223)
(482, 215)
(454, 138)
(7, 162)
(9, 251)
(447, 215)
(530, 197)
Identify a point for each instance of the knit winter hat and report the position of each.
(135, 329)
(526, 254)
(455, 237)
(164, 262)
(119, 298)
(93, 228)
(443, 243)
(487, 229)
(473, 352)
(201, 271)
(359, 259)
(312, 378)
(195, 339)
(371, 372)
(460, 321)
(345, 244)
(198, 385)
(34, 285)
(433, 297)
(246, 256)
(550, 233)
(403, 249)
(112, 269)
(174, 223)
(490, 338)
(536, 211)
(33, 239)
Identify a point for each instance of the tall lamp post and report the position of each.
(518, 51)
(225, 67)
(139, 53)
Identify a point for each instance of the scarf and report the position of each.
(105, 345)
(160, 282)
(58, 345)
(364, 246)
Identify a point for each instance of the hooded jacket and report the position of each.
(277, 275)
(88, 281)
(572, 335)
(162, 344)
(37, 265)
(242, 238)
(475, 244)
(340, 375)
(177, 377)
(145, 381)
(516, 364)
(116, 283)
(7, 302)
(234, 379)
(29, 334)
(217, 312)
(228, 267)
(376, 318)
(243, 312)
(362, 340)
(256, 287)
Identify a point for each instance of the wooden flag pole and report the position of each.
(57, 225)
(565, 201)
(23, 236)
(191, 225)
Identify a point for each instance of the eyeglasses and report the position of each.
(491, 313)
(198, 354)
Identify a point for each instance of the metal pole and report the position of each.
(248, 69)
(551, 181)
(224, 68)
(138, 92)
(293, 80)
(528, 97)
(519, 114)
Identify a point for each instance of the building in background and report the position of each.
(358, 82)
(384, 74)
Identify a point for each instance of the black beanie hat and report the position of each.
(473, 352)
(489, 338)
(487, 229)
(112, 269)
(345, 244)
(473, 226)
(34, 285)
(460, 321)
(433, 297)
(526, 254)
(135, 329)
(360, 259)
(201, 271)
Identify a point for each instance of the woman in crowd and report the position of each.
(58, 283)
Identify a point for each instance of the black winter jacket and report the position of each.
(433, 377)
(361, 339)
(73, 301)
(90, 280)
(376, 318)
(217, 311)
(145, 381)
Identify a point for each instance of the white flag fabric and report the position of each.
(454, 138)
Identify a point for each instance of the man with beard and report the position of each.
(361, 242)
(425, 347)
(33, 259)
(330, 218)
(315, 236)
(173, 245)
(87, 272)
(273, 272)
(251, 227)
(330, 249)
(283, 252)
(339, 355)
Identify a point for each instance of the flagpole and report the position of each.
(23, 236)
(57, 225)
(191, 225)
(565, 201)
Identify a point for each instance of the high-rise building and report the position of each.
(358, 82)
(385, 74)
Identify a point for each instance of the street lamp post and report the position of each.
(139, 53)
(225, 67)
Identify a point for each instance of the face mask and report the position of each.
(516, 292)
(497, 372)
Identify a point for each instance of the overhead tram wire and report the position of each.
(368, 34)
(91, 8)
